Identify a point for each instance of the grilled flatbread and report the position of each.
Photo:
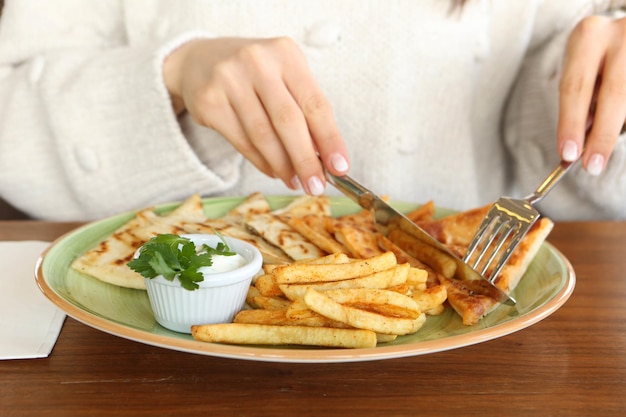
(456, 232)
(359, 242)
(274, 227)
(254, 204)
(306, 205)
(456, 229)
(271, 228)
(234, 225)
(519, 261)
(107, 261)
(236, 229)
(317, 235)
(465, 301)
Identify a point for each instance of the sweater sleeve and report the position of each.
(530, 134)
(87, 127)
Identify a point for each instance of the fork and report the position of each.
(505, 225)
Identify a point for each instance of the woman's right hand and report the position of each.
(260, 94)
(593, 92)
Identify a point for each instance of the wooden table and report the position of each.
(571, 364)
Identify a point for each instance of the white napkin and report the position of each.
(29, 322)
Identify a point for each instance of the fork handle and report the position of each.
(550, 181)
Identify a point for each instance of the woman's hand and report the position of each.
(261, 96)
(593, 92)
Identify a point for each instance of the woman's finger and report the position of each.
(288, 117)
(583, 61)
(261, 133)
(222, 117)
(610, 108)
(327, 139)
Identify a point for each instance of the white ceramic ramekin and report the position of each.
(220, 296)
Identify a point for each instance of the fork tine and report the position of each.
(510, 248)
(479, 236)
(491, 233)
(494, 226)
(504, 231)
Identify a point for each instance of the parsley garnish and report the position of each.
(172, 255)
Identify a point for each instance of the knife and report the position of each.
(387, 218)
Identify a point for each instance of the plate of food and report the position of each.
(85, 273)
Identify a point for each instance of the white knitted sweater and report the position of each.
(457, 107)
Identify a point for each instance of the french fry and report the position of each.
(436, 259)
(298, 309)
(268, 268)
(361, 319)
(266, 286)
(270, 303)
(252, 292)
(417, 279)
(435, 311)
(430, 298)
(262, 316)
(389, 303)
(333, 258)
(402, 289)
(307, 273)
(402, 257)
(279, 318)
(424, 212)
(384, 279)
(258, 334)
(298, 312)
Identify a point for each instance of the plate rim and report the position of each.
(303, 355)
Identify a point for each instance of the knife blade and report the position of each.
(387, 218)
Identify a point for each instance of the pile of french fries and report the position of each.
(332, 301)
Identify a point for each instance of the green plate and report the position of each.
(545, 287)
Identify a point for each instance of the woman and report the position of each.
(109, 106)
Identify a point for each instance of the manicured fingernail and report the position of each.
(595, 164)
(339, 162)
(570, 151)
(295, 183)
(315, 186)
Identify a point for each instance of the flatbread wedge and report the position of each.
(236, 229)
(233, 224)
(306, 205)
(107, 261)
(472, 307)
(271, 228)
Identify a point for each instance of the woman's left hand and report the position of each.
(593, 92)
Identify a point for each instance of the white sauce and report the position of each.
(223, 263)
